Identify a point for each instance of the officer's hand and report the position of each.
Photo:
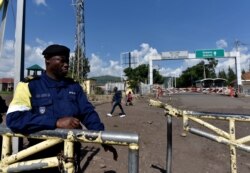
(68, 123)
(111, 149)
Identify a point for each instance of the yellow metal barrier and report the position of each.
(218, 134)
(11, 162)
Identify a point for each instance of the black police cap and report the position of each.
(56, 49)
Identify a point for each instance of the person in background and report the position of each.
(3, 107)
(52, 100)
(116, 101)
(129, 99)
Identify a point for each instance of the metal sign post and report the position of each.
(212, 53)
(209, 53)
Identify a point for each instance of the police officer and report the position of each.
(52, 100)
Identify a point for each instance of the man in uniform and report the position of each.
(52, 100)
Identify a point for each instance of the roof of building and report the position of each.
(246, 76)
(35, 67)
(6, 80)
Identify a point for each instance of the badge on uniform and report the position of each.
(42, 110)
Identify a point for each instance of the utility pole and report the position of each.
(79, 60)
(237, 44)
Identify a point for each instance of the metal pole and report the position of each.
(238, 71)
(150, 71)
(133, 158)
(19, 54)
(232, 147)
(169, 144)
(204, 71)
(69, 153)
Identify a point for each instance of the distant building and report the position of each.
(6, 84)
(209, 82)
(34, 70)
(245, 78)
(89, 86)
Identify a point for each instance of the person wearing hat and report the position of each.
(52, 100)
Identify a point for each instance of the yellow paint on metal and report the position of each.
(211, 127)
(6, 146)
(31, 150)
(232, 147)
(82, 137)
(133, 146)
(11, 163)
(44, 163)
(224, 137)
(244, 140)
(69, 153)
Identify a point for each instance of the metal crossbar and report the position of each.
(218, 134)
(11, 162)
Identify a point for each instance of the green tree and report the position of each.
(231, 75)
(212, 63)
(157, 77)
(140, 74)
(79, 66)
(222, 74)
(197, 72)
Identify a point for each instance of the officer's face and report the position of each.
(58, 66)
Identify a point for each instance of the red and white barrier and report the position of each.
(216, 90)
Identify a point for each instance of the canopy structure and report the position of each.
(210, 82)
(35, 68)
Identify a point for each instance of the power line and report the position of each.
(238, 43)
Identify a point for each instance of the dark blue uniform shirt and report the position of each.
(39, 103)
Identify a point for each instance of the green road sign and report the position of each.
(213, 53)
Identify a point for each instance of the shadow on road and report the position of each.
(160, 169)
(84, 152)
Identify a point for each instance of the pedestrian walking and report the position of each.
(116, 101)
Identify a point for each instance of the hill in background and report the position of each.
(102, 80)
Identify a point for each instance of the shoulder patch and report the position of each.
(30, 78)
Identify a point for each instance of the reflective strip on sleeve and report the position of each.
(21, 99)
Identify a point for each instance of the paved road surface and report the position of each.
(208, 102)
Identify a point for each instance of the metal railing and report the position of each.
(218, 135)
(12, 162)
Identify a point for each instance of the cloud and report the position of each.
(7, 60)
(100, 66)
(40, 2)
(221, 44)
(145, 52)
(142, 56)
